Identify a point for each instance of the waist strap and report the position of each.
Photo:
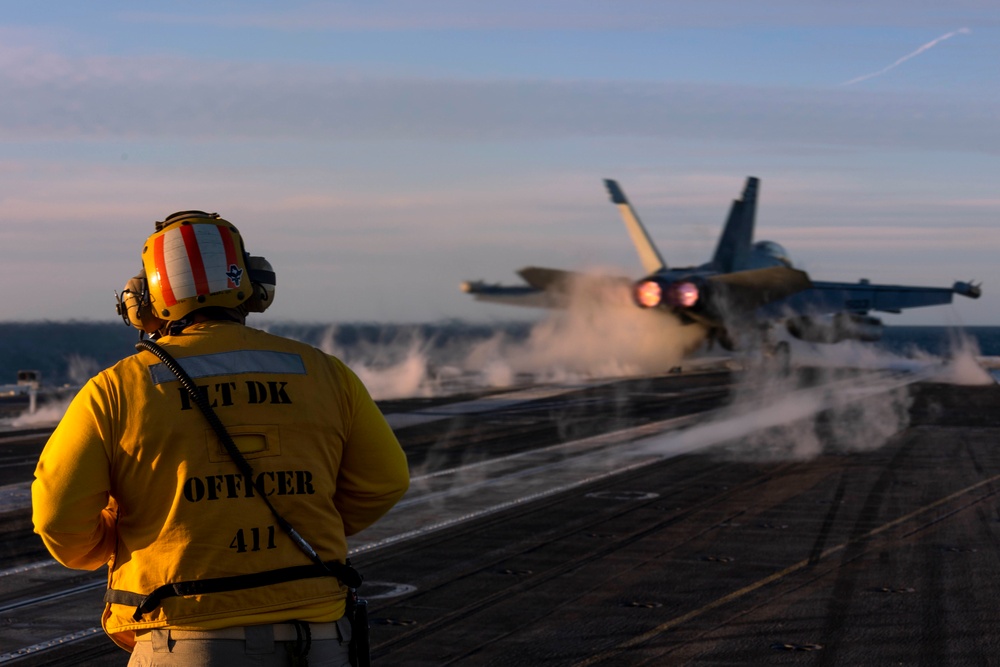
(144, 604)
(283, 632)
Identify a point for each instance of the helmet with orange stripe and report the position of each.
(195, 260)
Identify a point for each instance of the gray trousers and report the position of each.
(259, 649)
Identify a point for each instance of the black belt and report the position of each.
(144, 604)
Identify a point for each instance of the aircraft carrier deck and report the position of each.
(672, 520)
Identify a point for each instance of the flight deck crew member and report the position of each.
(135, 477)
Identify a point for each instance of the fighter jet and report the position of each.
(746, 290)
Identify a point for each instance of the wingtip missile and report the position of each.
(969, 289)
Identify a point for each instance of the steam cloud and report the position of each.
(929, 45)
(794, 417)
(790, 417)
(600, 333)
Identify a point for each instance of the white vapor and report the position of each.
(599, 334)
(925, 47)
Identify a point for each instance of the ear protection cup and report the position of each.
(263, 281)
(134, 307)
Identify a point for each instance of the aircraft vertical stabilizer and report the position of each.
(648, 254)
(733, 251)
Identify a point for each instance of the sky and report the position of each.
(380, 153)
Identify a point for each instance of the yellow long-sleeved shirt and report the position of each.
(135, 477)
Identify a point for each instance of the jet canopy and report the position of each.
(772, 250)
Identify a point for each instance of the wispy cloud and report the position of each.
(887, 237)
(374, 192)
(49, 98)
(926, 47)
(563, 15)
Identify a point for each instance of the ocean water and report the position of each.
(68, 353)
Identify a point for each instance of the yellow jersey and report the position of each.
(135, 477)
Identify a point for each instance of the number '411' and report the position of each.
(240, 541)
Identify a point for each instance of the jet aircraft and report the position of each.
(742, 293)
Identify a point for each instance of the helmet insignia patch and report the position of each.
(235, 274)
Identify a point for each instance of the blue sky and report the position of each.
(379, 153)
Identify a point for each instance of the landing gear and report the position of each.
(779, 357)
(776, 357)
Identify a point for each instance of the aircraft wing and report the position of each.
(543, 288)
(862, 297)
(512, 295)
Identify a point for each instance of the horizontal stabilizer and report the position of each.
(547, 279)
(749, 290)
(558, 281)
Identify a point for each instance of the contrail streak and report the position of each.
(925, 47)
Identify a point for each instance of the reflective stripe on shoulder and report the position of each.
(232, 363)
